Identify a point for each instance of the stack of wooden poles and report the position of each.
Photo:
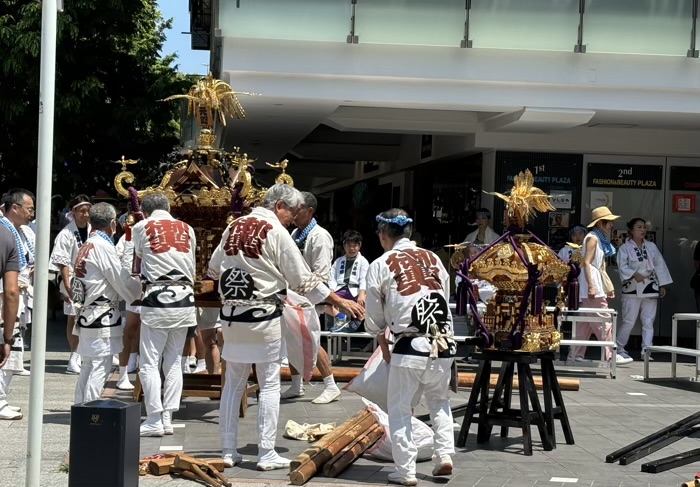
(337, 450)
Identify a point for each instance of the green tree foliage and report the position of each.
(109, 77)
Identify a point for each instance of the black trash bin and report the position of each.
(104, 444)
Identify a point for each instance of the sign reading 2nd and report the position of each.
(639, 176)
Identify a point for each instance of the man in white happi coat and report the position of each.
(166, 247)
(99, 284)
(255, 263)
(129, 355)
(18, 208)
(408, 291)
(316, 245)
(65, 250)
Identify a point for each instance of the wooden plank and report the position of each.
(160, 466)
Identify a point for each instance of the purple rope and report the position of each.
(466, 297)
(135, 204)
(237, 202)
(534, 274)
(572, 292)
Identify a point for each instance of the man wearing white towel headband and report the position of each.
(65, 250)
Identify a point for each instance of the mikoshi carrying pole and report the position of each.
(47, 86)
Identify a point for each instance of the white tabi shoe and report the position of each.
(232, 458)
(292, 392)
(328, 395)
(397, 478)
(168, 423)
(24, 373)
(16, 409)
(73, 364)
(8, 414)
(443, 467)
(124, 384)
(201, 367)
(133, 364)
(152, 428)
(272, 461)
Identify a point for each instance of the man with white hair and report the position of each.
(65, 250)
(316, 245)
(166, 247)
(255, 263)
(100, 282)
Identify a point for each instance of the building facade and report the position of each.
(425, 104)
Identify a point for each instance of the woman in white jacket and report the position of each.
(644, 277)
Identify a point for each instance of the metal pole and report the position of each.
(580, 47)
(466, 42)
(49, 13)
(692, 52)
(352, 38)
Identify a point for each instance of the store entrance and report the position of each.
(446, 196)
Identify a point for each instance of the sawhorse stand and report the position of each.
(497, 410)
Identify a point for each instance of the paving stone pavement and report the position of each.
(605, 415)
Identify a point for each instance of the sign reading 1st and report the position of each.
(543, 178)
(630, 176)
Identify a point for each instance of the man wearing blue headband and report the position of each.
(408, 290)
(484, 234)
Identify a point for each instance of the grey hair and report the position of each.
(309, 200)
(289, 195)
(153, 202)
(101, 215)
(15, 196)
(394, 230)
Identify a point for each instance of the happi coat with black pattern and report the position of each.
(100, 283)
(408, 289)
(257, 260)
(166, 247)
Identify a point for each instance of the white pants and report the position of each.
(403, 385)
(5, 378)
(268, 374)
(93, 374)
(632, 307)
(164, 344)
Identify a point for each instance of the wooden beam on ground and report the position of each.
(466, 379)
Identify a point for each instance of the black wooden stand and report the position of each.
(497, 410)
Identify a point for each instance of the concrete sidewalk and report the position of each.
(605, 415)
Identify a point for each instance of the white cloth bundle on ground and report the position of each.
(422, 436)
